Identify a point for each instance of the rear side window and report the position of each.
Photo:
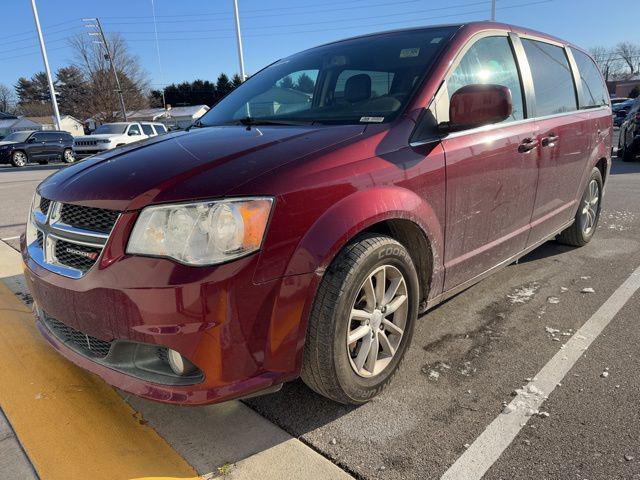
(594, 92)
(147, 129)
(552, 78)
(160, 129)
(490, 60)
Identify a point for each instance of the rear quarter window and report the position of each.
(594, 92)
(552, 78)
(148, 130)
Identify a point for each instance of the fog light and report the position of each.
(179, 364)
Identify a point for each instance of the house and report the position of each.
(67, 123)
(11, 123)
(279, 101)
(622, 88)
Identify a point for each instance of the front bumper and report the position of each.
(243, 336)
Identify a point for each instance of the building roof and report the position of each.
(6, 116)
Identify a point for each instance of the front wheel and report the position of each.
(68, 156)
(18, 159)
(362, 320)
(588, 214)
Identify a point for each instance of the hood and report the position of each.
(100, 136)
(2, 144)
(183, 166)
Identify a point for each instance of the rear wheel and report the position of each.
(588, 214)
(68, 156)
(362, 320)
(18, 159)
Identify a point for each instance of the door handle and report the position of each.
(550, 141)
(527, 145)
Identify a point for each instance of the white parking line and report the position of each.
(10, 238)
(487, 448)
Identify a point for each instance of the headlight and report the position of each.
(202, 233)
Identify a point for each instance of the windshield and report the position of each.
(110, 128)
(17, 137)
(364, 80)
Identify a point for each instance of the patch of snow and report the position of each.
(524, 294)
(604, 374)
(434, 375)
(553, 300)
(550, 330)
(587, 290)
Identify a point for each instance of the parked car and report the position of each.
(629, 138)
(19, 148)
(281, 237)
(617, 100)
(108, 136)
(152, 129)
(620, 111)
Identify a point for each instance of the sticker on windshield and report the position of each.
(409, 52)
(372, 119)
(436, 40)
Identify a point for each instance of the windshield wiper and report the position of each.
(251, 121)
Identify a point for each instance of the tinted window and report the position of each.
(147, 129)
(291, 93)
(594, 92)
(40, 137)
(52, 137)
(489, 60)
(552, 78)
(134, 130)
(160, 129)
(380, 82)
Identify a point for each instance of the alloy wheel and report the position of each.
(378, 320)
(19, 159)
(590, 206)
(69, 156)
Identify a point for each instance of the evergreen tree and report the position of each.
(286, 82)
(223, 86)
(305, 83)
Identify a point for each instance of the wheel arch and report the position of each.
(394, 211)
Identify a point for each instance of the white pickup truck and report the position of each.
(112, 135)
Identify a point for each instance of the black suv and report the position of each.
(19, 148)
(629, 140)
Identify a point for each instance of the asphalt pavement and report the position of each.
(470, 356)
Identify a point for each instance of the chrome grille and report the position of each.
(44, 205)
(69, 238)
(77, 340)
(76, 256)
(86, 143)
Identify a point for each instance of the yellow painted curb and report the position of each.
(72, 424)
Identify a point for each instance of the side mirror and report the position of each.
(132, 133)
(477, 105)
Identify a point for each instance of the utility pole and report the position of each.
(239, 39)
(109, 57)
(54, 100)
(493, 10)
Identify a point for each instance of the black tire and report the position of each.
(327, 364)
(576, 235)
(628, 154)
(19, 159)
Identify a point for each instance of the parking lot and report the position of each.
(470, 357)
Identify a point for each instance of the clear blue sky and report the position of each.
(197, 36)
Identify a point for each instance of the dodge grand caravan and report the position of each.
(301, 226)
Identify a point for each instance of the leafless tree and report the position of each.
(629, 53)
(7, 99)
(102, 97)
(608, 62)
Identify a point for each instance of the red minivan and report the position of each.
(301, 226)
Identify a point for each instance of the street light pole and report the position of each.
(109, 57)
(493, 10)
(239, 40)
(54, 100)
